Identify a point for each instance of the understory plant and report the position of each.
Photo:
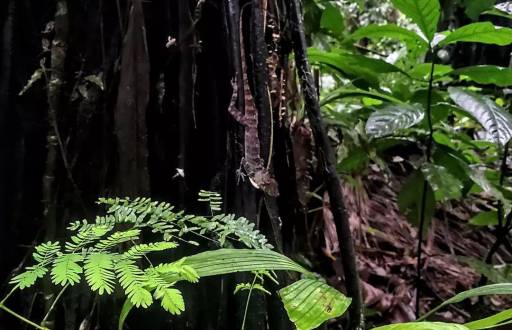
(458, 117)
(110, 255)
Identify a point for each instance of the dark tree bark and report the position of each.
(136, 95)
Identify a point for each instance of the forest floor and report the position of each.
(386, 245)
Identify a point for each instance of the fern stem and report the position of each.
(247, 303)
(8, 295)
(52, 307)
(21, 318)
(425, 182)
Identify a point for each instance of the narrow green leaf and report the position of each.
(496, 121)
(377, 32)
(425, 13)
(487, 74)
(482, 32)
(491, 321)
(487, 290)
(423, 326)
(125, 311)
(342, 93)
(389, 120)
(311, 302)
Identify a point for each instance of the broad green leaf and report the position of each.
(341, 93)
(332, 20)
(483, 32)
(495, 120)
(389, 120)
(445, 185)
(475, 7)
(422, 71)
(423, 326)
(410, 200)
(487, 290)
(489, 218)
(377, 32)
(487, 74)
(425, 13)
(311, 302)
(491, 321)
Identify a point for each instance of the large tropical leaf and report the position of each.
(227, 261)
(422, 326)
(333, 21)
(311, 302)
(393, 118)
(377, 32)
(445, 185)
(425, 13)
(410, 200)
(487, 290)
(353, 65)
(487, 74)
(482, 32)
(495, 120)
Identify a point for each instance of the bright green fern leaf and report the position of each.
(118, 238)
(29, 276)
(171, 299)
(99, 272)
(66, 269)
(139, 250)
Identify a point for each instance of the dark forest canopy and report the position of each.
(367, 140)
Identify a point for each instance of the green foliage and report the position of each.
(487, 74)
(310, 302)
(377, 32)
(332, 21)
(423, 326)
(109, 257)
(425, 13)
(482, 32)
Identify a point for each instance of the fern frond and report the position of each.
(45, 252)
(118, 238)
(29, 276)
(137, 251)
(66, 269)
(99, 272)
(87, 234)
(213, 199)
(186, 272)
(133, 281)
(171, 300)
